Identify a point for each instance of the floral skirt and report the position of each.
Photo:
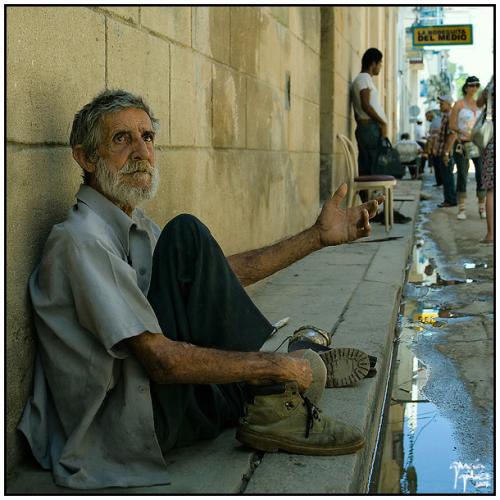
(488, 173)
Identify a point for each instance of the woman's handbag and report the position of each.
(482, 132)
(471, 150)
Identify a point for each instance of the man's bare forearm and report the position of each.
(450, 141)
(173, 362)
(255, 265)
(370, 111)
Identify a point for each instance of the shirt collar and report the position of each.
(108, 211)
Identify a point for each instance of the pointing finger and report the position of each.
(338, 196)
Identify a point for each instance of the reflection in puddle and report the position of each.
(422, 318)
(424, 269)
(442, 282)
(420, 451)
(472, 265)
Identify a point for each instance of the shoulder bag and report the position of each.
(482, 132)
(388, 161)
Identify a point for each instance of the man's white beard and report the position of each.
(121, 192)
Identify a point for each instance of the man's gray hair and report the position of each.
(87, 124)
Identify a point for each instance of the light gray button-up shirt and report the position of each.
(90, 418)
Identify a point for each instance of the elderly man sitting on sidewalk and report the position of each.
(147, 339)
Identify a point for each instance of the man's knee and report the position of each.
(185, 225)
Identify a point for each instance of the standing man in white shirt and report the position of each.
(369, 114)
(371, 120)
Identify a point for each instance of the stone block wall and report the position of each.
(238, 91)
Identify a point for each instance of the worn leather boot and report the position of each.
(278, 417)
(345, 365)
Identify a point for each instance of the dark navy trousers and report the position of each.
(198, 299)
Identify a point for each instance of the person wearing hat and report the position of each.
(444, 158)
(463, 116)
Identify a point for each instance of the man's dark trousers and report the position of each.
(198, 299)
(368, 136)
(450, 195)
(438, 175)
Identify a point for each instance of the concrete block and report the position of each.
(275, 52)
(389, 264)
(341, 55)
(130, 14)
(282, 14)
(303, 126)
(191, 95)
(41, 184)
(267, 126)
(305, 71)
(172, 22)
(245, 28)
(41, 181)
(139, 62)
(327, 137)
(311, 75)
(211, 32)
(270, 43)
(229, 113)
(341, 97)
(305, 22)
(53, 69)
(377, 32)
(181, 190)
(253, 186)
(303, 195)
(325, 176)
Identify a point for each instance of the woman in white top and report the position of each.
(464, 114)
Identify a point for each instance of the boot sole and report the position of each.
(345, 366)
(273, 444)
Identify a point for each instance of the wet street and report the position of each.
(438, 436)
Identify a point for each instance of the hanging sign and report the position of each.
(445, 34)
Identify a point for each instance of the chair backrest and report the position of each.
(350, 156)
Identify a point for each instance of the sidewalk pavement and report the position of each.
(353, 290)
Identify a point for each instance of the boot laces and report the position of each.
(312, 414)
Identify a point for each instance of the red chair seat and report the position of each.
(374, 178)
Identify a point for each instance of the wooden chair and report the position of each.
(368, 183)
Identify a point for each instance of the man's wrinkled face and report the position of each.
(125, 170)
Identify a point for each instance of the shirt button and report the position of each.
(142, 271)
(141, 388)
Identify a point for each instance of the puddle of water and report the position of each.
(443, 282)
(420, 452)
(423, 270)
(419, 317)
(472, 265)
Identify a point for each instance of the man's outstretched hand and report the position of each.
(336, 225)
